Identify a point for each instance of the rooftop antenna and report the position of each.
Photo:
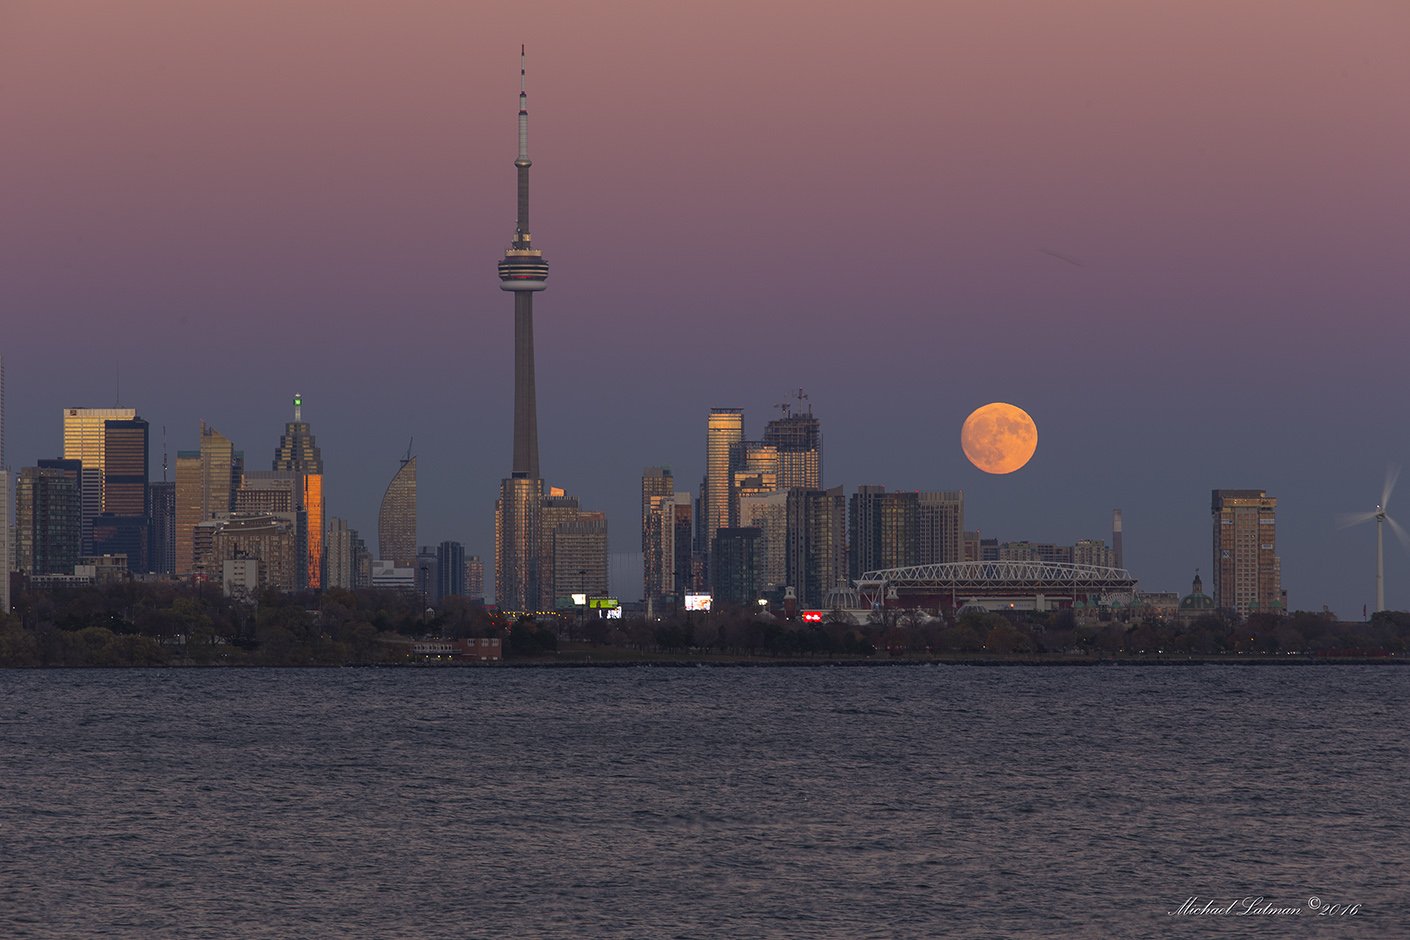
(407, 458)
(163, 453)
(117, 384)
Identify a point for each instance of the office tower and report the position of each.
(450, 570)
(724, 433)
(162, 553)
(427, 574)
(580, 556)
(735, 565)
(280, 493)
(85, 440)
(267, 537)
(299, 453)
(1247, 571)
(340, 557)
(768, 512)
(122, 528)
(941, 527)
(475, 577)
(798, 438)
(657, 490)
(396, 520)
(817, 543)
(206, 481)
(1118, 557)
(519, 536)
(49, 517)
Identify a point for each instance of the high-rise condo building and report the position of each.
(475, 577)
(884, 530)
(580, 556)
(941, 527)
(85, 440)
(162, 553)
(768, 512)
(48, 517)
(206, 481)
(735, 566)
(279, 493)
(518, 530)
(340, 553)
(724, 434)
(396, 520)
(657, 489)
(1247, 571)
(299, 454)
(450, 570)
(817, 543)
(798, 438)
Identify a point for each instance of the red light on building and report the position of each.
(812, 616)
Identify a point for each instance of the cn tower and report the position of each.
(524, 271)
(518, 537)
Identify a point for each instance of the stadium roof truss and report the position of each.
(1058, 577)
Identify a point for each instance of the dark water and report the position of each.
(820, 802)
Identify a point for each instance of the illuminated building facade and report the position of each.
(396, 519)
(206, 481)
(85, 440)
(580, 555)
(267, 537)
(769, 514)
(518, 545)
(723, 435)
(299, 453)
(1247, 571)
(941, 527)
(798, 438)
(475, 577)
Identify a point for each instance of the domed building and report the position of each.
(1196, 603)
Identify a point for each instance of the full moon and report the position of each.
(999, 437)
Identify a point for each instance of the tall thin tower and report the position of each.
(524, 271)
(518, 520)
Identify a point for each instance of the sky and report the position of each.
(1174, 233)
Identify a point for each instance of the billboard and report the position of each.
(698, 601)
(812, 616)
(604, 603)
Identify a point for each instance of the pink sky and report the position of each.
(871, 201)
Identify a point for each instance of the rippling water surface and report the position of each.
(811, 802)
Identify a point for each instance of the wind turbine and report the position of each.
(1356, 518)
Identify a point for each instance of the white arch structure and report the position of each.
(961, 581)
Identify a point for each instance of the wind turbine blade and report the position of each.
(1392, 474)
(1346, 520)
(1400, 532)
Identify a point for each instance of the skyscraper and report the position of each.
(1117, 552)
(1247, 571)
(723, 434)
(298, 453)
(396, 520)
(48, 517)
(518, 533)
(162, 499)
(798, 438)
(122, 528)
(85, 440)
(657, 488)
(206, 481)
(450, 570)
(817, 543)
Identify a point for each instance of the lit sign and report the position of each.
(614, 614)
(698, 601)
(580, 600)
(604, 603)
(812, 616)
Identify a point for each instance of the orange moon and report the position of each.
(999, 437)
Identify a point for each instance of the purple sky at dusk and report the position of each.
(1174, 233)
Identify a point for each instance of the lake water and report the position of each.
(734, 802)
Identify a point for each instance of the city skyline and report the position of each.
(1201, 265)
